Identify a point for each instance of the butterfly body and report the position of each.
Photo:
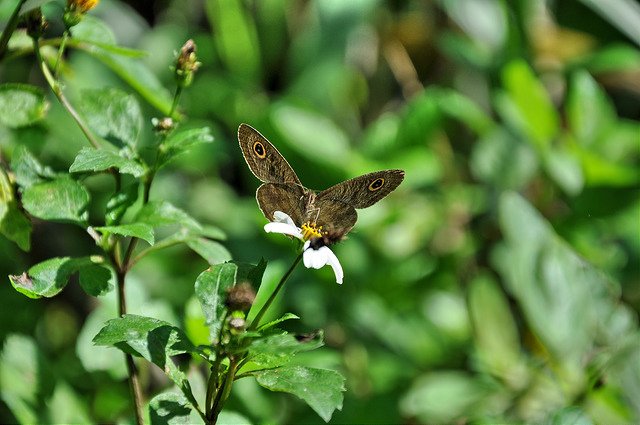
(334, 208)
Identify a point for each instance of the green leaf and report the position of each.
(130, 70)
(96, 280)
(162, 213)
(90, 159)
(236, 38)
(613, 58)
(119, 203)
(21, 105)
(589, 112)
(443, 397)
(211, 251)
(321, 389)
(28, 170)
(153, 339)
(497, 340)
(13, 223)
(564, 168)
(113, 114)
(286, 316)
(502, 160)
(210, 288)
(171, 408)
(24, 378)
(526, 105)
(136, 230)
(181, 142)
(62, 199)
(48, 278)
(67, 406)
(466, 111)
(276, 350)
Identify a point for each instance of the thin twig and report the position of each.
(10, 28)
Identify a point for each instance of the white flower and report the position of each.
(312, 258)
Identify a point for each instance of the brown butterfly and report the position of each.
(332, 208)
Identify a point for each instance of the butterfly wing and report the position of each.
(264, 160)
(288, 198)
(364, 191)
(335, 217)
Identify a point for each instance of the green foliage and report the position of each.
(498, 284)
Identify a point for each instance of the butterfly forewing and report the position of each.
(366, 190)
(288, 198)
(264, 160)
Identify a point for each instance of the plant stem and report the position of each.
(256, 320)
(55, 87)
(134, 383)
(10, 28)
(63, 44)
(223, 394)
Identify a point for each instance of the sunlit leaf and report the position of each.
(321, 389)
(162, 213)
(138, 230)
(212, 251)
(90, 159)
(62, 199)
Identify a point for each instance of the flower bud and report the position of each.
(163, 125)
(75, 10)
(186, 64)
(240, 297)
(35, 23)
(237, 325)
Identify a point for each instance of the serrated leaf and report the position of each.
(96, 280)
(90, 159)
(21, 105)
(113, 114)
(212, 251)
(48, 278)
(321, 389)
(136, 230)
(119, 203)
(162, 213)
(62, 199)
(28, 170)
(181, 142)
(210, 288)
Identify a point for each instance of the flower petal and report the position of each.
(280, 217)
(283, 228)
(332, 260)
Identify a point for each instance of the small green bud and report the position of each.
(186, 64)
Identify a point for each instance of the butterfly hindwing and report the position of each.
(264, 160)
(288, 198)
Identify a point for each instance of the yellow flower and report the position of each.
(82, 6)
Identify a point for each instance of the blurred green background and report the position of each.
(500, 283)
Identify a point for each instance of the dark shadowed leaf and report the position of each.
(120, 202)
(321, 389)
(21, 105)
(286, 316)
(90, 159)
(96, 280)
(277, 350)
(172, 408)
(113, 114)
(13, 223)
(62, 199)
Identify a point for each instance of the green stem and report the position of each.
(223, 394)
(63, 45)
(176, 99)
(256, 320)
(55, 87)
(10, 28)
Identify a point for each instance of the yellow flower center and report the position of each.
(311, 231)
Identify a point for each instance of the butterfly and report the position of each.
(332, 210)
